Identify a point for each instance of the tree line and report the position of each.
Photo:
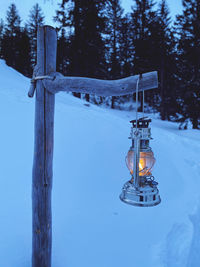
(98, 39)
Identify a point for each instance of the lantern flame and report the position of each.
(140, 166)
(146, 162)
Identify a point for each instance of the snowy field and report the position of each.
(91, 226)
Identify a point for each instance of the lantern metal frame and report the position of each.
(140, 190)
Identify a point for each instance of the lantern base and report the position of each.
(144, 196)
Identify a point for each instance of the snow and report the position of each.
(91, 226)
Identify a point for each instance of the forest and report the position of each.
(98, 39)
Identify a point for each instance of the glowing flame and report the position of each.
(140, 166)
(146, 162)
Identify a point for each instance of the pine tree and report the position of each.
(12, 30)
(63, 16)
(113, 25)
(163, 34)
(36, 19)
(87, 41)
(86, 54)
(63, 19)
(188, 25)
(63, 52)
(13, 20)
(126, 47)
(164, 60)
(23, 53)
(113, 28)
(1, 36)
(143, 22)
(154, 50)
(16, 43)
(126, 52)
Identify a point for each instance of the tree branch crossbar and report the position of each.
(56, 82)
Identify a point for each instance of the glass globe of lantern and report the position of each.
(146, 162)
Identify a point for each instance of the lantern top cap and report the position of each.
(141, 123)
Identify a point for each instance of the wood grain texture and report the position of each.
(98, 87)
(43, 152)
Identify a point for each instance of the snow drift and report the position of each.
(91, 226)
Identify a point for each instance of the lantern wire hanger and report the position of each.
(137, 88)
(141, 190)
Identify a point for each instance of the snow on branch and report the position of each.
(120, 87)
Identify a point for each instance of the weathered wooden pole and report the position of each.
(43, 151)
(48, 83)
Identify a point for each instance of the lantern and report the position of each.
(141, 190)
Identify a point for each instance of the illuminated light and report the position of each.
(146, 162)
(140, 166)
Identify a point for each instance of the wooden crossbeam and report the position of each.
(99, 87)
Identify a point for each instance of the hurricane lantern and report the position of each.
(141, 189)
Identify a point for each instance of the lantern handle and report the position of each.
(137, 89)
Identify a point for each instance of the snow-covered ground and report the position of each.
(91, 226)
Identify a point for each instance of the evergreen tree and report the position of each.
(16, 43)
(36, 19)
(13, 20)
(164, 61)
(12, 30)
(63, 19)
(188, 25)
(126, 52)
(114, 25)
(63, 54)
(23, 53)
(154, 50)
(126, 47)
(143, 22)
(87, 42)
(113, 30)
(162, 45)
(63, 16)
(86, 52)
(1, 36)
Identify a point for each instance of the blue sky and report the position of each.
(48, 7)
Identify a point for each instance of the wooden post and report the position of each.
(44, 131)
(43, 151)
